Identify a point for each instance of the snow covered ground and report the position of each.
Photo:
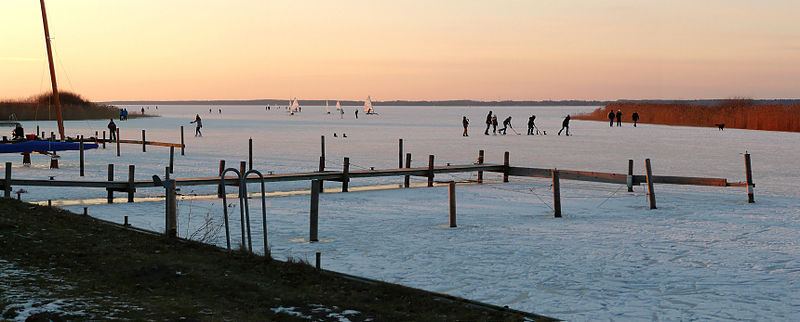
(703, 254)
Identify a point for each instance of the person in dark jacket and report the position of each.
(611, 119)
(506, 125)
(565, 125)
(18, 133)
(494, 124)
(531, 125)
(198, 125)
(465, 123)
(112, 128)
(619, 117)
(488, 122)
(635, 117)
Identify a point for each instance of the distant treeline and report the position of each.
(73, 107)
(734, 113)
(441, 103)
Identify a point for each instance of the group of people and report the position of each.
(123, 114)
(618, 117)
(491, 122)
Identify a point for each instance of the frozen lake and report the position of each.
(704, 254)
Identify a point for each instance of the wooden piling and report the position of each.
(345, 174)
(749, 176)
(407, 179)
(321, 169)
(221, 169)
(37, 130)
(172, 196)
(452, 195)
(53, 162)
(131, 188)
(7, 182)
(110, 193)
(144, 143)
(430, 170)
(630, 175)
(104, 140)
(319, 260)
(117, 137)
(26, 159)
(322, 145)
(650, 193)
(242, 167)
(171, 159)
(85, 211)
(400, 154)
(250, 154)
(556, 195)
(80, 153)
(52, 136)
(182, 144)
(505, 166)
(314, 218)
(480, 161)
(126, 222)
(49, 202)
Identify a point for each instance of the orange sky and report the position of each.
(410, 49)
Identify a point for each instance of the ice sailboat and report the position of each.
(368, 106)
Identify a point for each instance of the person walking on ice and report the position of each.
(619, 117)
(565, 125)
(611, 118)
(488, 123)
(198, 124)
(635, 118)
(494, 124)
(465, 123)
(506, 125)
(112, 128)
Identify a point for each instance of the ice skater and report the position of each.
(565, 125)
(532, 125)
(506, 125)
(356, 114)
(619, 117)
(112, 128)
(494, 124)
(198, 124)
(611, 118)
(488, 123)
(465, 123)
(635, 118)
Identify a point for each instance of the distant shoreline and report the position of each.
(318, 102)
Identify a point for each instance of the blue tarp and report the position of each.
(43, 146)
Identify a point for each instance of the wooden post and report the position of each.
(85, 211)
(630, 175)
(314, 220)
(131, 187)
(117, 137)
(242, 167)
(480, 161)
(219, 187)
(452, 195)
(182, 144)
(407, 180)
(7, 182)
(171, 159)
(37, 130)
(104, 139)
(322, 145)
(321, 169)
(650, 193)
(345, 174)
(53, 161)
(505, 166)
(319, 260)
(126, 222)
(250, 154)
(173, 209)
(110, 197)
(430, 170)
(556, 195)
(26, 159)
(52, 136)
(400, 154)
(80, 153)
(144, 149)
(749, 175)
(49, 202)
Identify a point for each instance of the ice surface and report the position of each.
(703, 254)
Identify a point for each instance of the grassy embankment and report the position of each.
(738, 113)
(73, 107)
(108, 271)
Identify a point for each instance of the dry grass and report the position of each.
(734, 113)
(73, 107)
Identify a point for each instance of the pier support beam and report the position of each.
(7, 181)
(345, 174)
(480, 161)
(131, 187)
(630, 175)
(749, 175)
(407, 179)
(505, 166)
(183, 146)
(400, 154)
(452, 197)
(556, 195)
(430, 170)
(110, 193)
(313, 228)
(651, 195)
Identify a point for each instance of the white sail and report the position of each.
(295, 106)
(326, 107)
(338, 106)
(368, 106)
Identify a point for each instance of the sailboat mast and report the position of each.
(52, 73)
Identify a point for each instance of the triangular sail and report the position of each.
(338, 106)
(295, 106)
(328, 110)
(368, 106)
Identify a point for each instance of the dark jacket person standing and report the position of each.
(619, 117)
(611, 118)
(488, 122)
(565, 125)
(635, 117)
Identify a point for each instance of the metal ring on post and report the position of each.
(263, 207)
(225, 205)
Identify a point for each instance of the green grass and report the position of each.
(116, 269)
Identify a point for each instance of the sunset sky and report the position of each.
(409, 49)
